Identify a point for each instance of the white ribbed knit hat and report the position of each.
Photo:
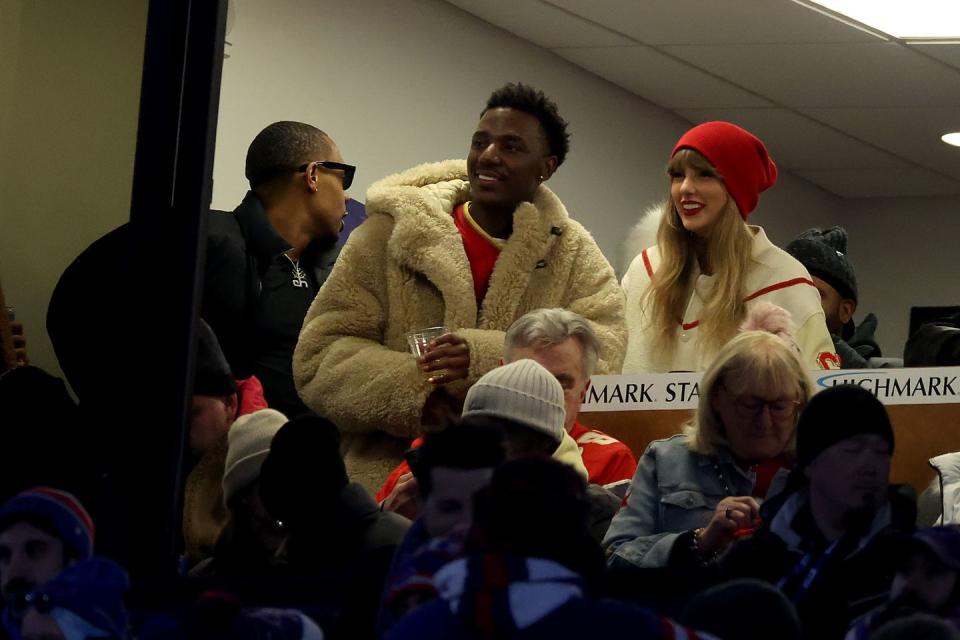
(248, 443)
(522, 392)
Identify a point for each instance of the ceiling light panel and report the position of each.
(917, 19)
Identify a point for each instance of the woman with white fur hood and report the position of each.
(688, 294)
(467, 246)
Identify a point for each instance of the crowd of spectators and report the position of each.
(341, 481)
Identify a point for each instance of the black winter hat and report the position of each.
(721, 610)
(836, 414)
(213, 377)
(824, 253)
(304, 469)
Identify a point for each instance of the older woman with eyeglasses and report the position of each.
(694, 492)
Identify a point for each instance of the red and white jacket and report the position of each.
(608, 461)
(776, 277)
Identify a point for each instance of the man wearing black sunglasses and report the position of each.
(268, 258)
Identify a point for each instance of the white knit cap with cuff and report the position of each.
(522, 392)
(248, 443)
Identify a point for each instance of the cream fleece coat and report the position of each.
(405, 269)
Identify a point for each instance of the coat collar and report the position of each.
(426, 241)
(260, 234)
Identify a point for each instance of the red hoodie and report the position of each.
(250, 396)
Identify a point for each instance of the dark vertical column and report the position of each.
(144, 403)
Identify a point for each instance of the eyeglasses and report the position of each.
(348, 169)
(752, 406)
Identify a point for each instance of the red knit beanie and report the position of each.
(739, 157)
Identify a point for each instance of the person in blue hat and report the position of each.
(83, 602)
(42, 531)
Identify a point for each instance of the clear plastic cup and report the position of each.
(418, 341)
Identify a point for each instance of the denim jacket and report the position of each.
(673, 491)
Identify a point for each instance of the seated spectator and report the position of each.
(13, 341)
(470, 245)
(824, 254)
(928, 581)
(529, 404)
(935, 344)
(220, 616)
(43, 436)
(947, 466)
(694, 492)
(218, 400)
(335, 532)
(566, 345)
(524, 402)
(83, 602)
(451, 466)
(531, 568)
(251, 538)
(745, 610)
(827, 541)
(918, 625)
(42, 532)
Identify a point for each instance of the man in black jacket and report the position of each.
(268, 258)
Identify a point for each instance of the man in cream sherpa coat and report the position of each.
(419, 261)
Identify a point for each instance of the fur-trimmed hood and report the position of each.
(642, 234)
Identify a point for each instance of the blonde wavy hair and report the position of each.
(728, 254)
(755, 363)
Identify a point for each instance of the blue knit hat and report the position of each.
(59, 510)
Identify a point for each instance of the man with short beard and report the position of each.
(42, 532)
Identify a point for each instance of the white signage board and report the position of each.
(939, 385)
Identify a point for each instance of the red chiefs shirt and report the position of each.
(482, 249)
(607, 459)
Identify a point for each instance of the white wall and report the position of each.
(401, 82)
(69, 98)
(907, 253)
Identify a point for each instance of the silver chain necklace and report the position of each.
(299, 275)
(721, 476)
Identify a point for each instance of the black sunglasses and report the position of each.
(348, 169)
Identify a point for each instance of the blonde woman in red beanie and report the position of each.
(688, 294)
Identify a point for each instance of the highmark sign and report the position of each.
(682, 390)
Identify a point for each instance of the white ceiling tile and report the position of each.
(713, 21)
(796, 142)
(540, 23)
(949, 53)
(660, 78)
(856, 115)
(831, 75)
(906, 181)
(911, 133)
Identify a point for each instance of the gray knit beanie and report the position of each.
(248, 443)
(824, 253)
(522, 392)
